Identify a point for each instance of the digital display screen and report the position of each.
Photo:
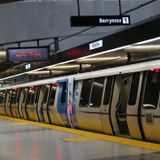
(29, 54)
(74, 53)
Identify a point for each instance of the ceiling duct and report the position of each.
(45, 72)
(3, 55)
(115, 62)
(68, 67)
(97, 60)
(143, 48)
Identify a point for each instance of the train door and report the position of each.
(31, 103)
(74, 104)
(22, 103)
(133, 107)
(64, 101)
(88, 108)
(14, 103)
(43, 102)
(54, 116)
(119, 104)
(7, 103)
(150, 106)
(2, 102)
(106, 105)
(39, 104)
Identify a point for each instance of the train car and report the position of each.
(121, 101)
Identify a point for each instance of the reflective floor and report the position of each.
(20, 141)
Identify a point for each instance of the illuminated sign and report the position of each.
(28, 54)
(96, 45)
(73, 53)
(77, 21)
(28, 66)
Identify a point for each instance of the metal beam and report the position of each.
(8, 1)
(143, 48)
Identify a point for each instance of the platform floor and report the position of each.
(22, 141)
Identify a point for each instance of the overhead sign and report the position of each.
(82, 21)
(28, 54)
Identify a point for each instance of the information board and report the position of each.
(28, 54)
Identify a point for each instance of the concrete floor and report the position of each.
(20, 141)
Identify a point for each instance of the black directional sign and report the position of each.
(82, 21)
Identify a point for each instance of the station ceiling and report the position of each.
(144, 46)
(141, 51)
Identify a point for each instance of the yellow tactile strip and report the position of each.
(126, 141)
(78, 139)
(17, 124)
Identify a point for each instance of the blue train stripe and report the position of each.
(74, 117)
(62, 108)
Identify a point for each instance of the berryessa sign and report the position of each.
(81, 21)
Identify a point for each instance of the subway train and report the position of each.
(122, 101)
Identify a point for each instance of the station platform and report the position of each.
(26, 140)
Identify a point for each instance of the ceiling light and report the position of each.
(149, 40)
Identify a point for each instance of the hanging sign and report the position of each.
(28, 54)
(82, 21)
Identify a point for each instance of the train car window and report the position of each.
(31, 93)
(30, 96)
(64, 93)
(2, 97)
(25, 95)
(45, 93)
(13, 97)
(152, 88)
(134, 89)
(52, 95)
(108, 91)
(85, 93)
(18, 96)
(36, 95)
(96, 95)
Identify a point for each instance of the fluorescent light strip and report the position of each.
(143, 48)
(147, 41)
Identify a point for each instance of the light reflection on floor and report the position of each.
(26, 142)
